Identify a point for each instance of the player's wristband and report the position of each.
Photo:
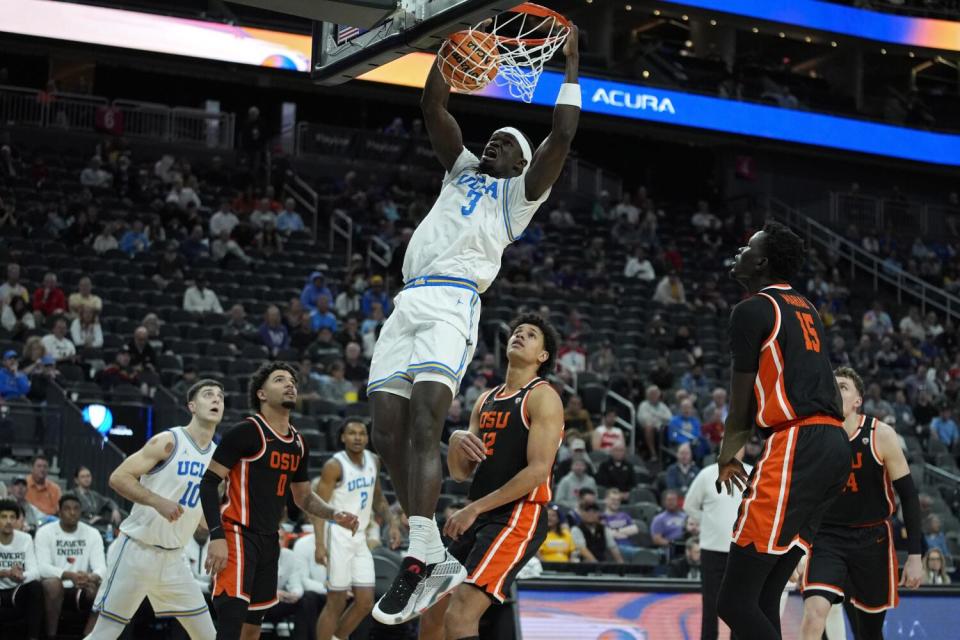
(569, 95)
(210, 503)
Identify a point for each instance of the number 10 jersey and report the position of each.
(177, 479)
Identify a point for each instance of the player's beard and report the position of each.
(289, 405)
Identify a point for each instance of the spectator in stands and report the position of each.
(639, 266)
(224, 247)
(572, 357)
(321, 316)
(187, 379)
(718, 402)
(33, 353)
(262, 214)
(135, 240)
(84, 297)
(348, 300)
(314, 578)
(570, 485)
(126, 179)
(653, 414)
(95, 509)
(268, 241)
(912, 325)
(476, 389)
(106, 240)
(561, 216)
(620, 524)
(576, 417)
(934, 567)
(694, 382)
(93, 175)
(85, 330)
(876, 321)
(142, 354)
(626, 211)
(42, 493)
(273, 333)
(195, 246)
(576, 449)
(72, 564)
(593, 539)
(355, 369)
(289, 221)
(120, 372)
(933, 533)
(237, 323)
(687, 566)
(668, 526)
(200, 298)
(17, 318)
(19, 578)
(224, 220)
(13, 383)
(608, 434)
(681, 473)
(703, 219)
(183, 194)
(56, 342)
(712, 429)
(661, 374)
(906, 421)
(944, 427)
(559, 545)
(12, 287)
(315, 288)
(604, 361)
(456, 419)
(685, 428)
(375, 294)
(616, 472)
(49, 300)
(335, 387)
(670, 290)
(349, 332)
(874, 404)
(290, 595)
(31, 515)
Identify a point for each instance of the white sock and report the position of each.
(425, 543)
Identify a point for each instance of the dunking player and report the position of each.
(854, 546)
(782, 382)
(260, 458)
(163, 481)
(515, 431)
(452, 258)
(350, 482)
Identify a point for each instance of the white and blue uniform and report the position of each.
(148, 560)
(453, 257)
(349, 561)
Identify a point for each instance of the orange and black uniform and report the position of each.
(854, 547)
(500, 542)
(778, 335)
(262, 464)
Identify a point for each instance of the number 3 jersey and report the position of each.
(475, 217)
(354, 491)
(177, 479)
(778, 335)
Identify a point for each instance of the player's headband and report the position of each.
(521, 140)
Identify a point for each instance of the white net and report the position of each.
(510, 49)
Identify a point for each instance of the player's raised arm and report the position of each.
(442, 127)
(466, 449)
(550, 157)
(125, 479)
(898, 470)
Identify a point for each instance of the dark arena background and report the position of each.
(183, 183)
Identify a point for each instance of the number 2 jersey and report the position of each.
(262, 464)
(354, 491)
(777, 333)
(178, 479)
(867, 497)
(475, 217)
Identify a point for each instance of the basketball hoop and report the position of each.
(523, 39)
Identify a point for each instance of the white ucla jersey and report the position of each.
(473, 220)
(354, 492)
(177, 479)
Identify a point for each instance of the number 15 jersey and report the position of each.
(475, 217)
(178, 479)
(262, 464)
(777, 334)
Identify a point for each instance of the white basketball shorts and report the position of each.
(349, 561)
(430, 336)
(136, 571)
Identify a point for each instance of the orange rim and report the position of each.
(539, 11)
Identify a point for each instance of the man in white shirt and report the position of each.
(21, 596)
(716, 513)
(57, 343)
(295, 601)
(200, 298)
(608, 434)
(12, 286)
(72, 564)
(638, 266)
(313, 577)
(653, 414)
(262, 213)
(223, 220)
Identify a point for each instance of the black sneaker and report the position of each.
(399, 603)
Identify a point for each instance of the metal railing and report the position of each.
(341, 225)
(379, 252)
(306, 196)
(904, 283)
(629, 426)
(76, 112)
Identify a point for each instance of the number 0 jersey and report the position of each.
(177, 479)
(778, 334)
(354, 491)
(262, 465)
(475, 217)
(867, 496)
(504, 429)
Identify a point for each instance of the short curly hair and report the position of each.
(259, 378)
(550, 339)
(784, 250)
(850, 374)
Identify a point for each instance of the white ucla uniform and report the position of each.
(349, 561)
(453, 257)
(147, 560)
